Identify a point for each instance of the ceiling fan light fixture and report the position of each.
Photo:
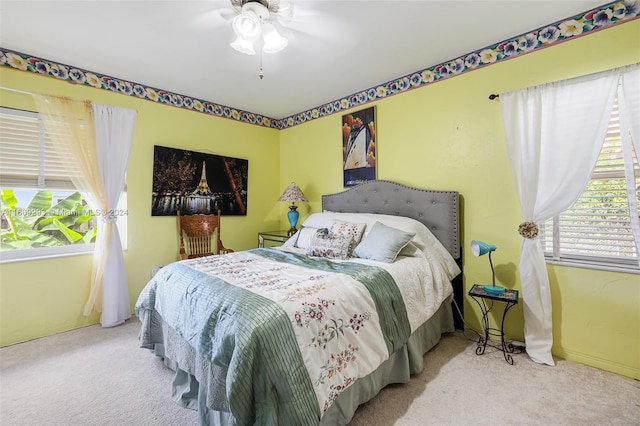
(247, 25)
(273, 41)
(243, 46)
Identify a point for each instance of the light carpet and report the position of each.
(100, 376)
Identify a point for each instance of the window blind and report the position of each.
(27, 158)
(598, 227)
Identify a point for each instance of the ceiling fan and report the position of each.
(252, 23)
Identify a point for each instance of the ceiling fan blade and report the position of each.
(315, 22)
(285, 12)
(227, 13)
(213, 19)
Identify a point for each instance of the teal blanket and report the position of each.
(253, 337)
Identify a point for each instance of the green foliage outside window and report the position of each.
(43, 223)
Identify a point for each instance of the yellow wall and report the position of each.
(43, 297)
(444, 136)
(449, 136)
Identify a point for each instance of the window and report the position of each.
(597, 231)
(43, 214)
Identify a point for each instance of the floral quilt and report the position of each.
(345, 319)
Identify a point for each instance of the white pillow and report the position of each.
(305, 235)
(428, 245)
(383, 243)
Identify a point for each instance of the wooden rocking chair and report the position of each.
(200, 235)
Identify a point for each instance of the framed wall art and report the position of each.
(196, 182)
(359, 146)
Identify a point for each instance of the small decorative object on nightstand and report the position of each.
(479, 293)
(278, 237)
(294, 194)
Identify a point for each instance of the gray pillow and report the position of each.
(383, 243)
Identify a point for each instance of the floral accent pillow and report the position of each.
(331, 246)
(350, 229)
(305, 235)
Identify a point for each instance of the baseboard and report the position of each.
(602, 364)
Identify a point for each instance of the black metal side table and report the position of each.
(510, 297)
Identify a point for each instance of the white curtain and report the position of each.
(554, 134)
(629, 106)
(114, 128)
(97, 139)
(631, 90)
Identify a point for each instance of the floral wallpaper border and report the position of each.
(599, 18)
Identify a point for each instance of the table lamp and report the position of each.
(478, 248)
(294, 194)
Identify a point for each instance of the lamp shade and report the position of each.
(243, 46)
(478, 248)
(273, 41)
(248, 24)
(294, 194)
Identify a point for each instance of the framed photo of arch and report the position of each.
(359, 146)
(197, 182)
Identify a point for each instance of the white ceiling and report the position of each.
(336, 47)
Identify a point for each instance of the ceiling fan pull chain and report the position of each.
(261, 74)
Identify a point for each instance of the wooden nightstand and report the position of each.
(272, 238)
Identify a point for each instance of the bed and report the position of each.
(305, 333)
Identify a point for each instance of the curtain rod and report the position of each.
(31, 93)
(16, 90)
(622, 69)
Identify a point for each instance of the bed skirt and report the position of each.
(196, 386)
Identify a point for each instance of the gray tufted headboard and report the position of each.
(438, 210)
